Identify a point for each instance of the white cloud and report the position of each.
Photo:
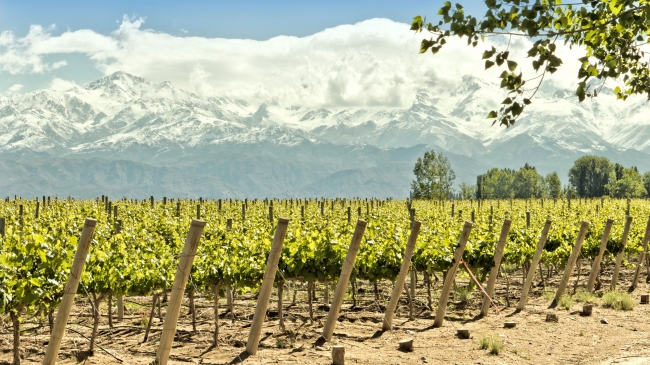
(375, 62)
(198, 81)
(59, 64)
(15, 88)
(61, 84)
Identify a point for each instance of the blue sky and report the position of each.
(226, 19)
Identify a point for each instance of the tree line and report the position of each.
(589, 177)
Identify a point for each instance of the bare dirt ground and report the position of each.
(575, 339)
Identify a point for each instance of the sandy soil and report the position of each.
(575, 339)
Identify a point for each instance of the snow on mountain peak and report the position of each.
(119, 111)
(120, 85)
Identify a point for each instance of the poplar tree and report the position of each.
(433, 177)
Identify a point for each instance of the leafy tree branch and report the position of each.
(612, 34)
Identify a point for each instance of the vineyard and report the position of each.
(133, 263)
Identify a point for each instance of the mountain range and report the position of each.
(123, 135)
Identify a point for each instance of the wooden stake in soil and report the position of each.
(595, 269)
(536, 260)
(406, 344)
(619, 258)
(642, 256)
(120, 308)
(451, 275)
(342, 284)
(401, 278)
(571, 262)
(492, 280)
(178, 290)
(69, 293)
(267, 287)
(338, 355)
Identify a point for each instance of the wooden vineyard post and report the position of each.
(531, 273)
(117, 224)
(2, 226)
(401, 278)
(492, 280)
(639, 265)
(571, 262)
(120, 308)
(596, 266)
(70, 292)
(451, 275)
(178, 290)
(342, 284)
(619, 258)
(267, 287)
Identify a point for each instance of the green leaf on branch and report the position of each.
(416, 25)
(426, 44)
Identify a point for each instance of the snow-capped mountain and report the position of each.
(154, 138)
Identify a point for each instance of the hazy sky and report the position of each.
(309, 52)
